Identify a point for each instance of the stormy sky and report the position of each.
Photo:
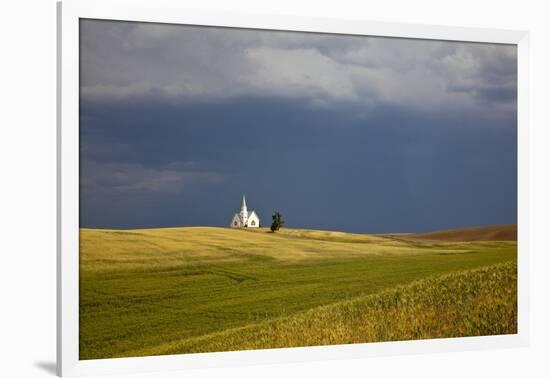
(353, 133)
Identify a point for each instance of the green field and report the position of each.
(201, 289)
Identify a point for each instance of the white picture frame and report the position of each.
(171, 11)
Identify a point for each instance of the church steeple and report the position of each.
(243, 205)
(244, 212)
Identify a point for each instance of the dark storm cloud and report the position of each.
(193, 64)
(396, 171)
(499, 94)
(134, 178)
(350, 133)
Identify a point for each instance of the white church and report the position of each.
(245, 218)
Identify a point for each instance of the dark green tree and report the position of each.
(277, 221)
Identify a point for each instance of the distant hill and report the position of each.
(499, 232)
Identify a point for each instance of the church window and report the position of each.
(235, 223)
(253, 223)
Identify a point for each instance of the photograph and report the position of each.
(248, 189)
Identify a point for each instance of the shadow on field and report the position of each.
(47, 366)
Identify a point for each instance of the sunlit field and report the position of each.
(204, 289)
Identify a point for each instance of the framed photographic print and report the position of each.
(239, 189)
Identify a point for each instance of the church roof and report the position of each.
(249, 213)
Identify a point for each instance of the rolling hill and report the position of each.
(499, 232)
(201, 289)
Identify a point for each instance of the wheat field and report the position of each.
(204, 289)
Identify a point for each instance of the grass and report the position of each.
(184, 290)
(472, 303)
